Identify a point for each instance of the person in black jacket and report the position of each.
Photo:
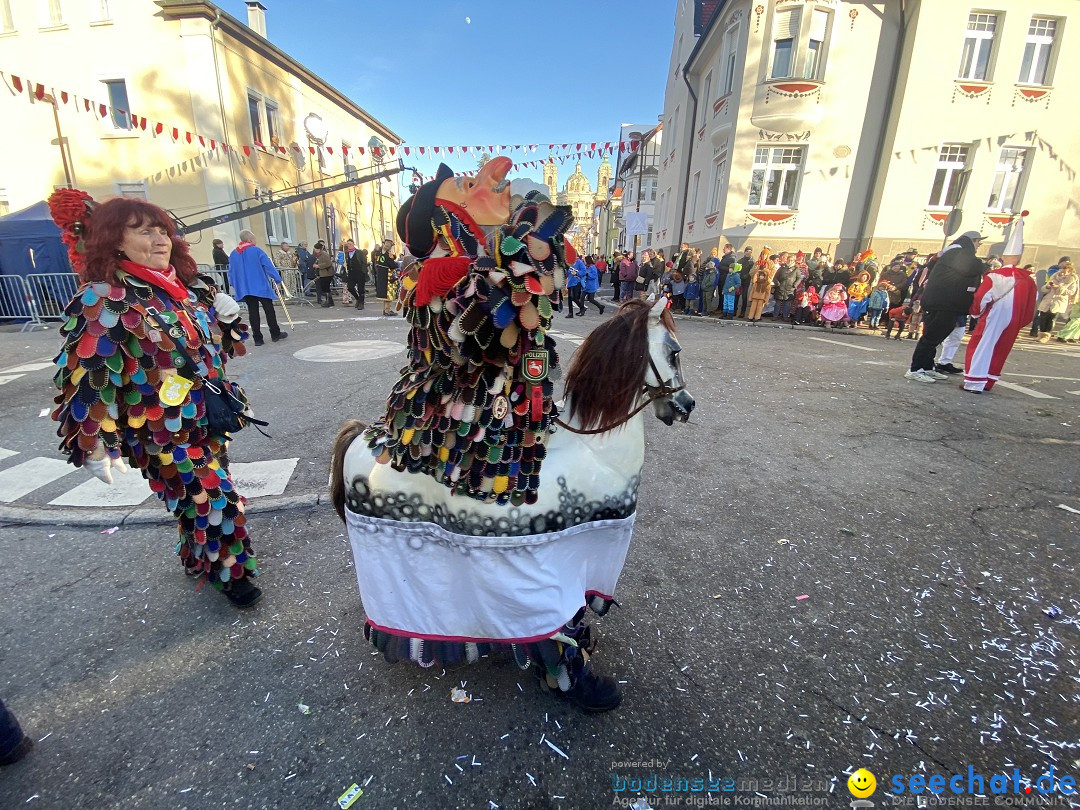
(745, 268)
(221, 264)
(356, 272)
(947, 295)
(385, 267)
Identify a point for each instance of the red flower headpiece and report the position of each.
(70, 209)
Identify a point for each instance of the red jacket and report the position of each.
(898, 314)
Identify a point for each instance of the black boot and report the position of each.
(590, 692)
(242, 593)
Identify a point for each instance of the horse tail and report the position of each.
(349, 431)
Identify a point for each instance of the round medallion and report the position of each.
(178, 361)
(500, 407)
(841, 151)
(176, 332)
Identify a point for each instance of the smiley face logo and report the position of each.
(862, 783)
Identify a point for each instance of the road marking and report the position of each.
(331, 320)
(1031, 392)
(1076, 393)
(848, 345)
(127, 489)
(349, 351)
(30, 475)
(256, 479)
(569, 337)
(1040, 376)
(874, 362)
(26, 367)
(7, 379)
(5, 453)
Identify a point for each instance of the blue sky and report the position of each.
(519, 72)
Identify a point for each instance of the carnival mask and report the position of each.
(485, 197)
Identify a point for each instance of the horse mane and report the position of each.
(608, 370)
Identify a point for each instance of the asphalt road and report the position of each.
(833, 568)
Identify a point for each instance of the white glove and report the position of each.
(226, 308)
(101, 464)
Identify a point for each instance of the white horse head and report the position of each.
(664, 380)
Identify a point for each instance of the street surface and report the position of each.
(833, 568)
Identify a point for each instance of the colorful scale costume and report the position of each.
(113, 362)
(474, 406)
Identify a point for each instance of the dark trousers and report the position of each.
(573, 298)
(590, 298)
(741, 301)
(937, 324)
(782, 309)
(11, 733)
(356, 290)
(1044, 322)
(253, 302)
(322, 286)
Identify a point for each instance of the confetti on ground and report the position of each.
(556, 749)
(349, 797)
(804, 596)
(1068, 509)
(44, 412)
(303, 709)
(290, 776)
(43, 739)
(459, 695)
(113, 530)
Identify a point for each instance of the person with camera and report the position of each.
(324, 272)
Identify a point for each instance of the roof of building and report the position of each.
(703, 14)
(180, 9)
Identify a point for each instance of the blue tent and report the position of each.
(30, 243)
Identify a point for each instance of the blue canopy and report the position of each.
(30, 243)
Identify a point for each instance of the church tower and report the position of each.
(603, 179)
(551, 178)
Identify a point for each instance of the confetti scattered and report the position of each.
(556, 749)
(44, 412)
(349, 797)
(113, 530)
(800, 598)
(459, 695)
(1068, 509)
(303, 709)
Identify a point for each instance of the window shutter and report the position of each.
(819, 22)
(787, 24)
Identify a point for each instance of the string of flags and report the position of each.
(34, 91)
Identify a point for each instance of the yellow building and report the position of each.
(810, 123)
(192, 67)
(578, 194)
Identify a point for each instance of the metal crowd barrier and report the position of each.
(220, 277)
(296, 286)
(16, 303)
(49, 293)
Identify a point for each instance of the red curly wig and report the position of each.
(104, 231)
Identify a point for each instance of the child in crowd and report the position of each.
(878, 303)
(731, 291)
(759, 294)
(834, 307)
(915, 321)
(858, 295)
(806, 301)
(898, 317)
(691, 295)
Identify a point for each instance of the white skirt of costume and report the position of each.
(417, 579)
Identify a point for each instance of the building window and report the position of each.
(706, 97)
(6, 21)
(648, 236)
(694, 197)
(661, 210)
(273, 123)
(948, 180)
(350, 168)
(719, 175)
(648, 189)
(731, 54)
(120, 109)
(673, 127)
(5, 204)
(1037, 51)
(132, 191)
(1005, 193)
(255, 114)
(978, 46)
(775, 179)
(812, 62)
(52, 15)
(277, 221)
(785, 32)
(103, 10)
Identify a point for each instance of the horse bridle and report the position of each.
(653, 394)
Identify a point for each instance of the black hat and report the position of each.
(414, 216)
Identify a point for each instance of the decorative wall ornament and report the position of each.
(719, 105)
(783, 136)
(934, 219)
(758, 10)
(771, 218)
(701, 133)
(853, 14)
(996, 221)
(711, 220)
(794, 90)
(735, 17)
(1032, 95)
(841, 151)
(967, 90)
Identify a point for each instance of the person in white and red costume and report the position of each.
(1004, 303)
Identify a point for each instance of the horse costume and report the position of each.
(479, 520)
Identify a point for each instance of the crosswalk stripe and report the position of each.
(253, 479)
(5, 453)
(30, 475)
(25, 367)
(9, 378)
(842, 343)
(1075, 393)
(1031, 392)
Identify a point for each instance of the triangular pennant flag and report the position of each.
(392, 152)
(360, 149)
(213, 144)
(39, 91)
(202, 141)
(464, 149)
(566, 146)
(64, 96)
(435, 149)
(175, 134)
(405, 149)
(296, 149)
(421, 148)
(188, 136)
(345, 150)
(551, 147)
(310, 149)
(592, 145)
(330, 150)
(142, 123)
(158, 128)
(86, 104)
(280, 149)
(102, 111)
(450, 149)
(247, 150)
(16, 82)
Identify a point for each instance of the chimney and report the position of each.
(257, 17)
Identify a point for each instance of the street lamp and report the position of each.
(69, 171)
